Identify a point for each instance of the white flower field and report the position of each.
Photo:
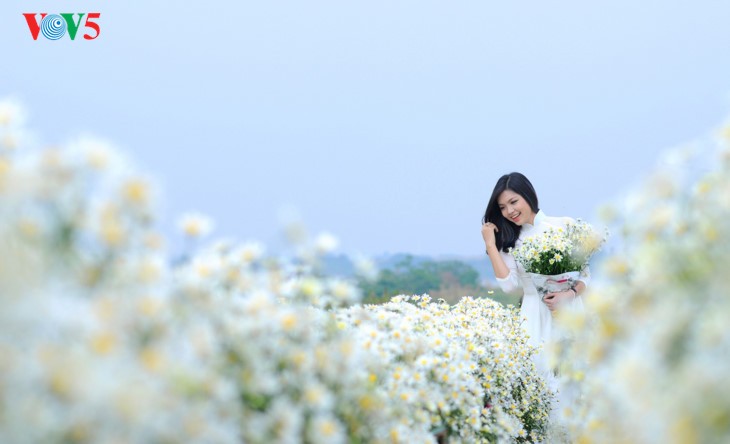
(105, 340)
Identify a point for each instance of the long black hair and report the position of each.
(508, 230)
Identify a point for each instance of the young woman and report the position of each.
(512, 214)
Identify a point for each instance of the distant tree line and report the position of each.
(450, 280)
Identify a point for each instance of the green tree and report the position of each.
(449, 280)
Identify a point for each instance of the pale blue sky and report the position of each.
(386, 123)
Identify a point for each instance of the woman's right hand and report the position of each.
(488, 230)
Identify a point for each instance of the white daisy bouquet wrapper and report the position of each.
(545, 283)
(555, 258)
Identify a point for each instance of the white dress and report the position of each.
(538, 320)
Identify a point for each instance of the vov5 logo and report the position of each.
(54, 26)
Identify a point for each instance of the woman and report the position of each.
(512, 214)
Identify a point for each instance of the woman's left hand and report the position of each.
(555, 300)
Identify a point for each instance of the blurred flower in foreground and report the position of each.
(652, 359)
(12, 114)
(365, 268)
(326, 243)
(195, 225)
(12, 123)
(250, 252)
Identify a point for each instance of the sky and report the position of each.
(385, 123)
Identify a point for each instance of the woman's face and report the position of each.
(515, 208)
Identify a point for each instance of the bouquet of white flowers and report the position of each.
(555, 257)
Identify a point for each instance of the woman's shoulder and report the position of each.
(561, 221)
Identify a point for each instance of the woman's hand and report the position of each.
(488, 230)
(558, 299)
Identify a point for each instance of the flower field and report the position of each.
(104, 339)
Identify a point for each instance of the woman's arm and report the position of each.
(505, 268)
